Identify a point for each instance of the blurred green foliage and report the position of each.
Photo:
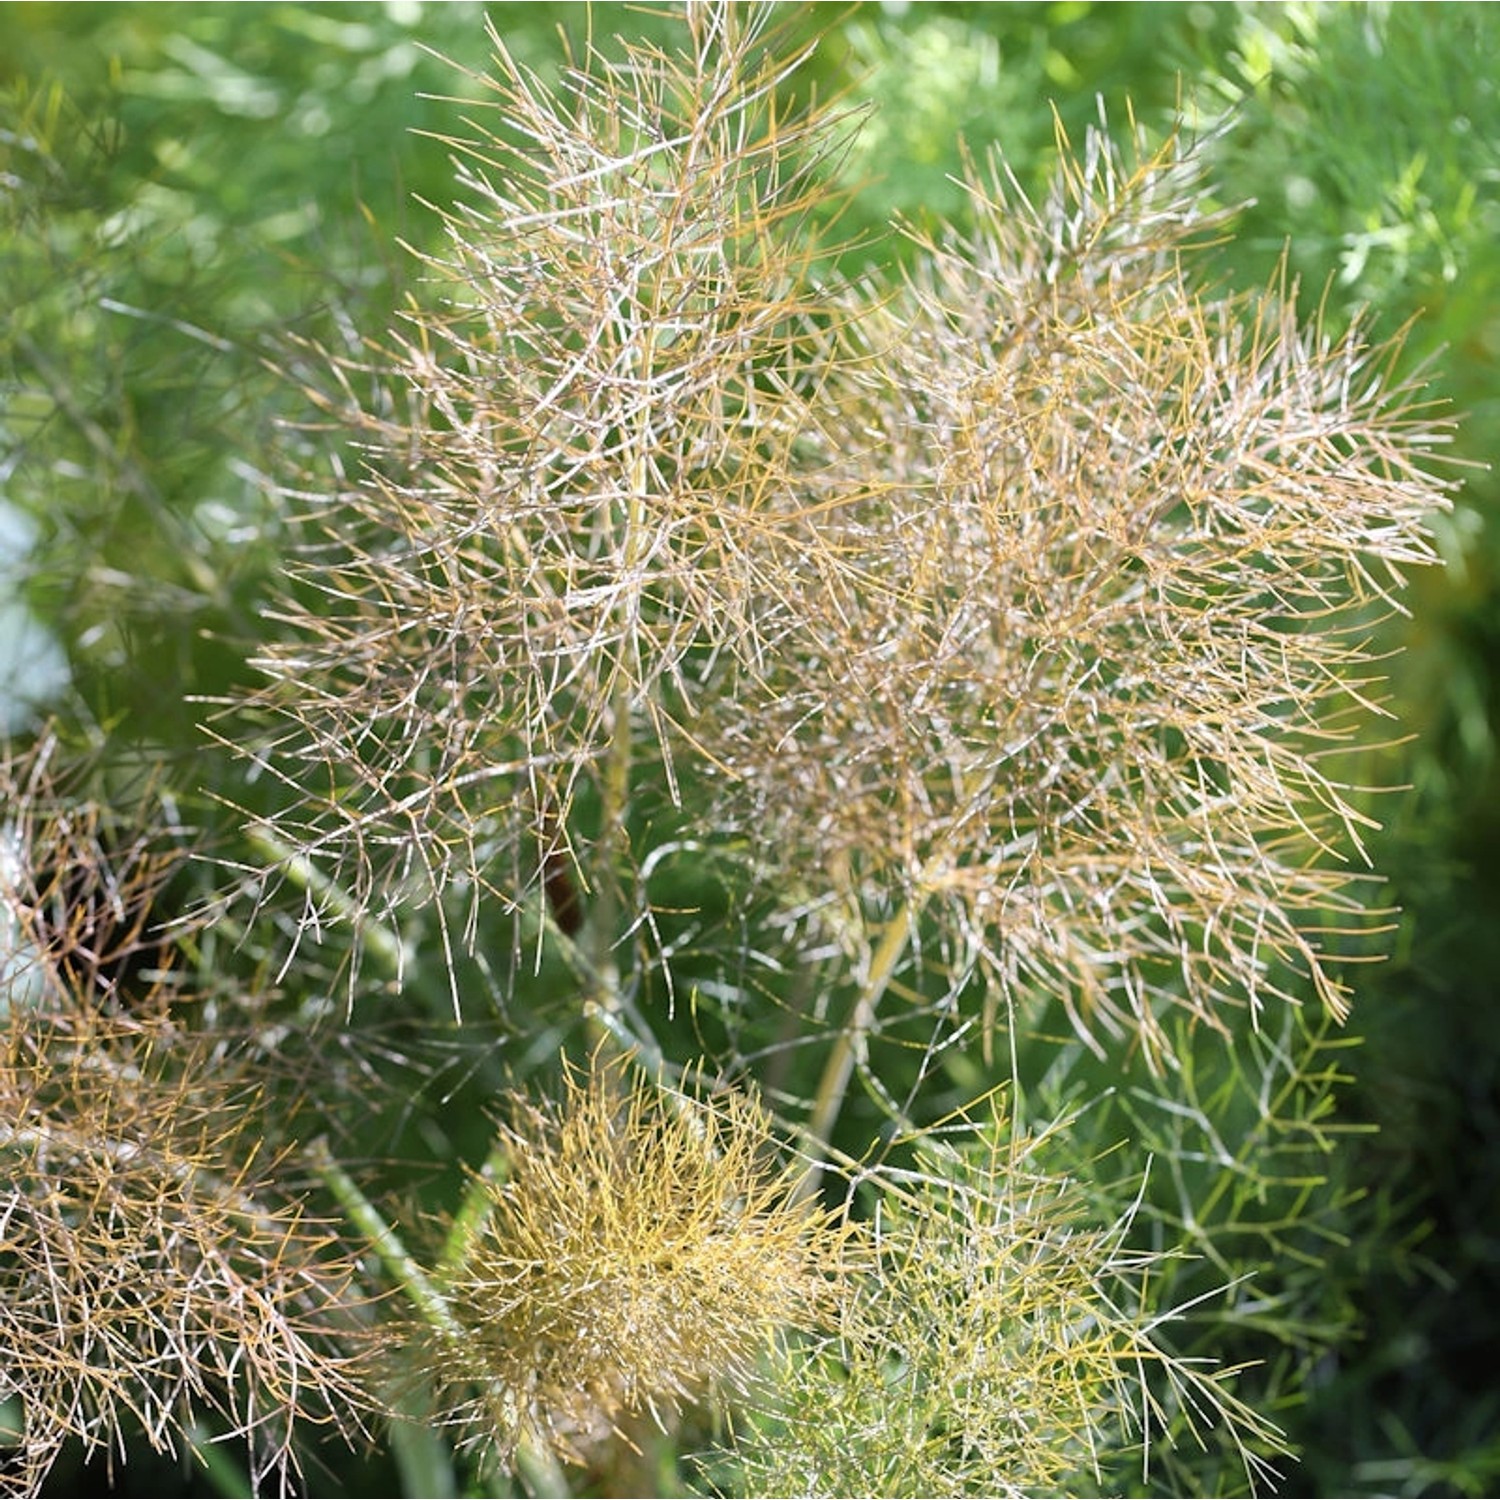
(182, 186)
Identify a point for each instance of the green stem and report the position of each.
(420, 1290)
(614, 840)
(379, 939)
(473, 1213)
(851, 1042)
(226, 1476)
(422, 1460)
(541, 1471)
(614, 844)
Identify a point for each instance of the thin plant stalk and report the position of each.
(850, 1044)
(541, 1469)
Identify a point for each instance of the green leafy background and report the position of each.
(179, 184)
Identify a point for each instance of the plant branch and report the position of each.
(850, 1046)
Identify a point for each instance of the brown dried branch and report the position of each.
(155, 1275)
(1105, 620)
(569, 505)
(1038, 598)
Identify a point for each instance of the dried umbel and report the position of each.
(155, 1279)
(78, 890)
(1111, 559)
(636, 1251)
(1032, 600)
(573, 487)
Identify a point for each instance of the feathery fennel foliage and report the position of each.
(631, 1252)
(823, 686)
(160, 1274)
(1003, 1344)
(1034, 595)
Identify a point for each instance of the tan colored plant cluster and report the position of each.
(637, 1252)
(575, 491)
(1034, 595)
(1110, 557)
(156, 1280)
